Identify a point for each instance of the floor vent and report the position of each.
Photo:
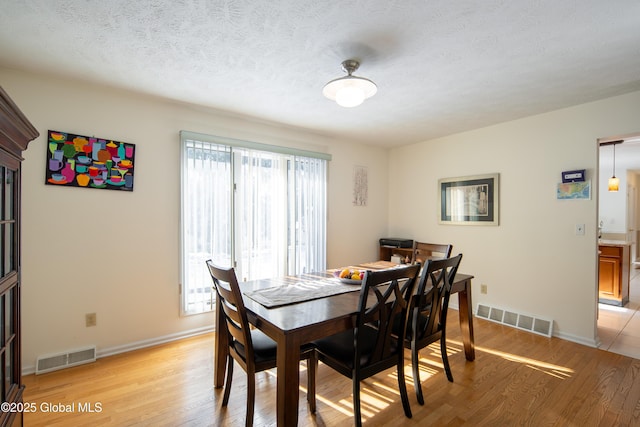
(55, 362)
(520, 321)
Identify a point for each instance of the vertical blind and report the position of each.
(309, 210)
(261, 211)
(206, 219)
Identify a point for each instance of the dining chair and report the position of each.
(422, 251)
(428, 314)
(249, 347)
(371, 347)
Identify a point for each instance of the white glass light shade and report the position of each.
(349, 91)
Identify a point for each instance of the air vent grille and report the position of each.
(55, 362)
(516, 320)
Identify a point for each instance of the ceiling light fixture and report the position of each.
(350, 91)
(614, 183)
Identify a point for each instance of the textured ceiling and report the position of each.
(441, 66)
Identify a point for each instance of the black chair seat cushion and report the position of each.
(264, 348)
(340, 346)
(422, 322)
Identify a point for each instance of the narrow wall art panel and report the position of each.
(360, 186)
(87, 161)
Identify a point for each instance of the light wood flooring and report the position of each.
(518, 378)
(619, 327)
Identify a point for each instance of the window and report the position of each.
(259, 208)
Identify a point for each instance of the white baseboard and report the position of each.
(576, 339)
(110, 351)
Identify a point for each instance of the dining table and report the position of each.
(292, 323)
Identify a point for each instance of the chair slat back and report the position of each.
(384, 299)
(422, 252)
(225, 283)
(432, 297)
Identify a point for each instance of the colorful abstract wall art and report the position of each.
(84, 161)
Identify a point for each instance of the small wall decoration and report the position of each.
(470, 200)
(84, 161)
(360, 186)
(574, 191)
(573, 176)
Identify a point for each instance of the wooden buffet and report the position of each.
(386, 252)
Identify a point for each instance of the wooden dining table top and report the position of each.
(306, 313)
(300, 314)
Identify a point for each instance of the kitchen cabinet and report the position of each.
(613, 274)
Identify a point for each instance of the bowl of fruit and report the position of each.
(350, 276)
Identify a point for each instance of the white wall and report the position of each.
(354, 231)
(117, 253)
(532, 262)
(613, 205)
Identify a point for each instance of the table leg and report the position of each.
(465, 313)
(288, 373)
(220, 348)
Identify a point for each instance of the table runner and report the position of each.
(300, 290)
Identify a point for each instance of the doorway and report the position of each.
(619, 326)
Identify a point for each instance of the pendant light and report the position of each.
(614, 183)
(350, 91)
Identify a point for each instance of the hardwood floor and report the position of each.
(518, 378)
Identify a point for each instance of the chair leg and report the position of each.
(445, 357)
(227, 384)
(312, 368)
(251, 397)
(357, 415)
(415, 364)
(402, 385)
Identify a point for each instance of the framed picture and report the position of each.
(574, 191)
(469, 200)
(360, 186)
(86, 161)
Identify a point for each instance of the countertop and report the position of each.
(603, 242)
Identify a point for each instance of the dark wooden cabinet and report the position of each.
(613, 274)
(15, 134)
(387, 251)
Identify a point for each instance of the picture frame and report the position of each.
(86, 161)
(574, 190)
(469, 200)
(360, 186)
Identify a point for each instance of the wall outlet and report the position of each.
(90, 319)
(483, 289)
